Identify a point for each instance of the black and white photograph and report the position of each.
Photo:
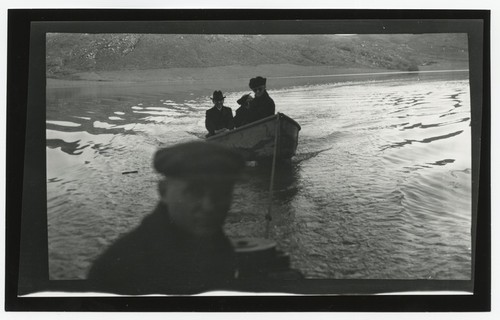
(371, 134)
(297, 157)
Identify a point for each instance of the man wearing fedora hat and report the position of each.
(219, 118)
(262, 105)
(180, 248)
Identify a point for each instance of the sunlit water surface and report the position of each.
(380, 187)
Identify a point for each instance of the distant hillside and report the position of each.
(69, 54)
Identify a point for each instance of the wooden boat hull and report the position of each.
(255, 141)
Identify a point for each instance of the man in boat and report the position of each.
(262, 105)
(219, 118)
(180, 247)
(243, 113)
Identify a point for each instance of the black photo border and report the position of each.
(26, 235)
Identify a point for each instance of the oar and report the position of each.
(269, 216)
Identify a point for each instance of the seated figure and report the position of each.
(243, 113)
(262, 105)
(219, 118)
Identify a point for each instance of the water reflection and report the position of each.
(67, 147)
(442, 162)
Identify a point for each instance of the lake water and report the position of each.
(380, 187)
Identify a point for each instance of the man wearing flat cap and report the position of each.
(262, 105)
(180, 248)
(219, 118)
(243, 113)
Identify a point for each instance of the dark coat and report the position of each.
(157, 257)
(242, 117)
(262, 107)
(216, 120)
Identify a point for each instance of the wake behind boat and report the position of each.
(256, 140)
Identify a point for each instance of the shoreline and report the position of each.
(236, 76)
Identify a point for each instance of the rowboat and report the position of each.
(256, 141)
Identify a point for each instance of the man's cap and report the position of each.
(243, 99)
(257, 82)
(217, 96)
(199, 160)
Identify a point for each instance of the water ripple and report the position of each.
(426, 140)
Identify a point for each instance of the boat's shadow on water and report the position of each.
(286, 175)
(253, 192)
(252, 199)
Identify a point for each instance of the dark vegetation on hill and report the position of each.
(68, 54)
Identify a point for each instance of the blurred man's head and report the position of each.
(198, 184)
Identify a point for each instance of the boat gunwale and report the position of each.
(252, 124)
